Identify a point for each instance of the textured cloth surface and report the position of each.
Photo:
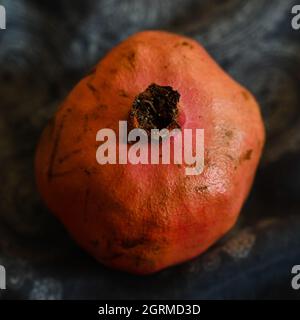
(48, 46)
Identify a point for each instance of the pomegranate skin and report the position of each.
(143, 218)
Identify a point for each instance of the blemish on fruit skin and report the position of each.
(131, 59)
(87, 171)
(91, 87)
(229, 134)
(103, 86)
(55, 147)
(124, 94)
(113, 70)
(132, 243)
(69, 155)
(207, 160)
(200, 189)
(93, 90)
(246, 155)
(101, 107)
(85, 123)
(95, 115)
(229, 157)
(246, 95)
(184, 44)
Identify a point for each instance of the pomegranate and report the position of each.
(141, 217)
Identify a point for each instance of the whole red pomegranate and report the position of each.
(144, 217)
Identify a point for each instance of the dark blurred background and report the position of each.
(48, 46)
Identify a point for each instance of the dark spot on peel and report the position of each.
(184, 44)
(87, 171)
(124, 94)
(229, 134)
(54, 151)
(187, 44)
(100, 108)
(69, 155)
(200, 189)
(63, 173)
(131, 59)
(113, 70)
(94, 115)
(93, 89)
(246, 156)
(229, 157)
(132, 243)
(85, 123)
(90, 170)
(245, 95)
